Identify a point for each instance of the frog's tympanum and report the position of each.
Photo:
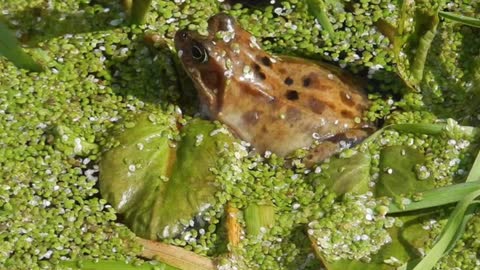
(275, 103)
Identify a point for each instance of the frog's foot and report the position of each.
(335, 144)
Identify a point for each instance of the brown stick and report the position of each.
(175, 256)
(233, 227)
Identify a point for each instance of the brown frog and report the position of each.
(278, 104)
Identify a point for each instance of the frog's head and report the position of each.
(212, 60)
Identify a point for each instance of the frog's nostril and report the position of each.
(181, 35)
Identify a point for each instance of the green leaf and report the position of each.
(148, 173)
(460, 18)
(259, 216)
(10, 48)
(319, 10)
(344, 175)
(397, 172)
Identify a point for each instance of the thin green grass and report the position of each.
(460, 18)
(437, 197)
(137, 10)
(319, 10)
(457, 221)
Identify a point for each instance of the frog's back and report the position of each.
(292, 103)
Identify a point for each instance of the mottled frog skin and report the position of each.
(275, 103)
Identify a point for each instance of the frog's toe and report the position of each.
(334, 145)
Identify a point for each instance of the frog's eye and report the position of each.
(199, 53)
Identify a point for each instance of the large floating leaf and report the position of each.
(397, 172)
(397, 165)
(159, 184)
(405, 241)
(351, 174)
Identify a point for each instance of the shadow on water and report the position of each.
(43, 22)
(151, 74)
(455, 100)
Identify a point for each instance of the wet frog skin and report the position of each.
(275, 103)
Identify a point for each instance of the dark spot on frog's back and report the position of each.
(266, 61)
(292, 95)
(307, 81)
(251, 117)
(346, 99)
(360, 107)
(258, 71)
(316, 105)
(288, 81)
(347, 114)
(293, 114)
(262, 76)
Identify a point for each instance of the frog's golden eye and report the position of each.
(199, 53)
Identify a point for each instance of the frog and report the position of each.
(278, 104)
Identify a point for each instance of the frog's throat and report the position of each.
(208, 98)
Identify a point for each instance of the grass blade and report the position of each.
(319, 10)
(456, 223)
(449, 232)
(420, 128)
(473, 177)
(474, 174)
(460, 18)
(429, 129)
(438, 197)
(10, 48)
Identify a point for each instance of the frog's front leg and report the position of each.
(336, 144)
